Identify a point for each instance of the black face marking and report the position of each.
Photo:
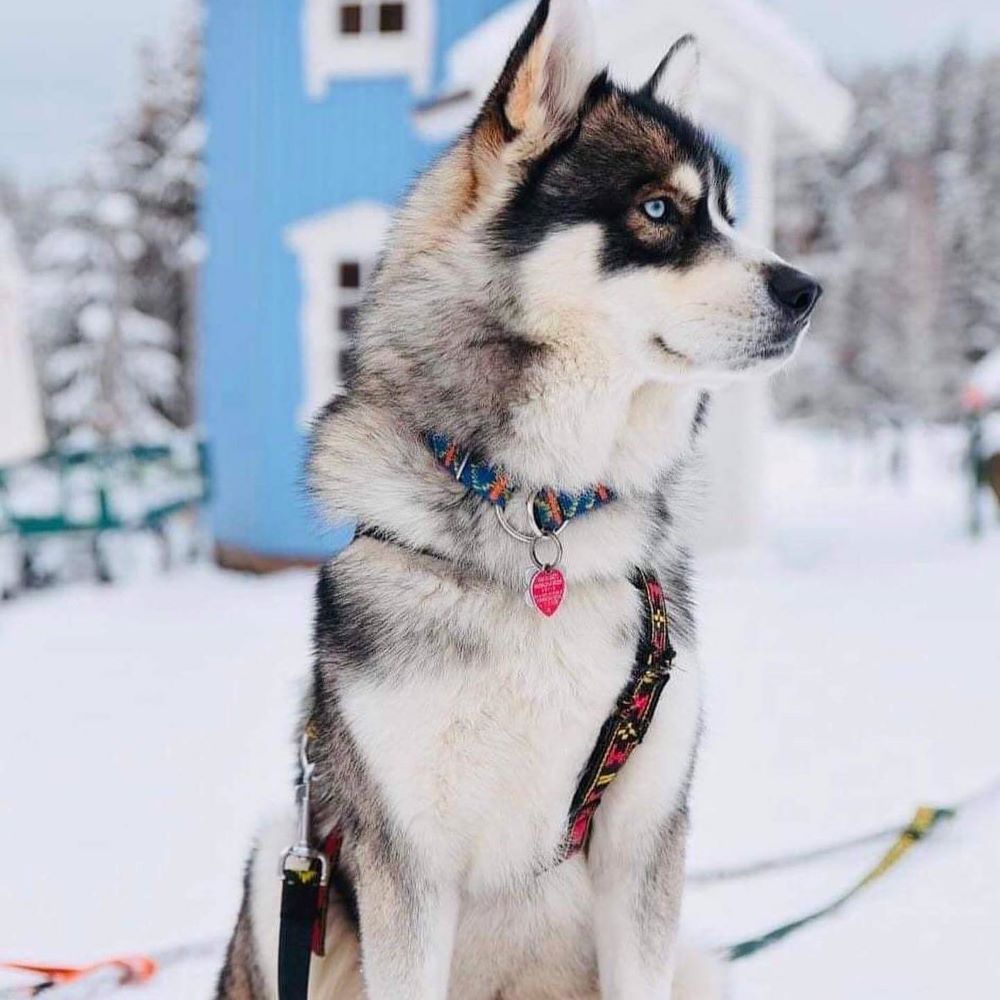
(609, 171)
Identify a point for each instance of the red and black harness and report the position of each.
(306, 871)
(627, 726)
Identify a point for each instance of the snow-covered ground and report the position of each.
(853, 661)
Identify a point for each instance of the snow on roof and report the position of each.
(749, 39)
(763, 24)
(361, 224)
(481, 52)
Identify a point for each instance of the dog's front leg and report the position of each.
(407, 924)
(638, 887)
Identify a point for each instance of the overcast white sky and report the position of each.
(66, 66)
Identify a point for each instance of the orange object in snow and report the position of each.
(131, 969)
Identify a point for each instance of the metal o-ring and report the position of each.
(542, 565)
(509, 528)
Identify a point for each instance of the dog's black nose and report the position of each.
(794, 290)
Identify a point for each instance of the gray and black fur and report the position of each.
(559, 293)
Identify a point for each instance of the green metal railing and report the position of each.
(84, 489)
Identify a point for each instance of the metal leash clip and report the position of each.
(302, 857)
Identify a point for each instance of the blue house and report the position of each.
(321, 113)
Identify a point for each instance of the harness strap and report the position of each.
(331, 849)
(626, 728)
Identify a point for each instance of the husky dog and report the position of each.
(559, 291)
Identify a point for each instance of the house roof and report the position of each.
(359, 225)
(747, 47)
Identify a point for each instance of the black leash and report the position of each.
(299, 905)
(305, 881)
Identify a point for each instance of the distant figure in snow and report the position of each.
(981, 400)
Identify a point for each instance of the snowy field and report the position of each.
(853, 662)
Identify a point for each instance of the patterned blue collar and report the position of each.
(552, 508)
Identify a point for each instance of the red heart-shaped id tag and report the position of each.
(547, 590)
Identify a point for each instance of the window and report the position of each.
(352, 276)
(362, 39)
(350, 19)
(372, 18)
(349, 275)
(336, 252)
(391, 17)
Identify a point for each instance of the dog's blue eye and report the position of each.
(657, 209)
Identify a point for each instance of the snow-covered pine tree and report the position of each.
(156, 157)
(110, 368)
(960, 191)
(982, 217)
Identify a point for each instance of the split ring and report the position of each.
(540, 563)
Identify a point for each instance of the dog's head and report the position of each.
(614, 204)
(569, 257)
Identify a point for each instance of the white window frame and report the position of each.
(330, 55)
(348, 234)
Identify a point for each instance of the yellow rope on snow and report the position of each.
(923, 823)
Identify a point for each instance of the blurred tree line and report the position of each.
(903, 227)
(113, 257)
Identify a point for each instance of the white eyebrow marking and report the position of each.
(688, 181)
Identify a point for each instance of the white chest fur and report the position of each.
(477, 717)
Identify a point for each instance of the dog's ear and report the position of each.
(543, 85)
(677, 80)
